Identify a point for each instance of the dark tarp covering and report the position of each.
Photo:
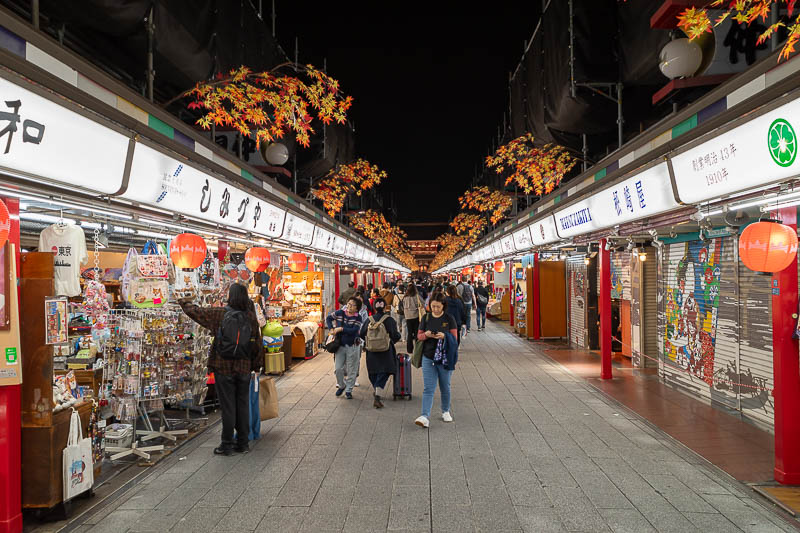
(193, 40)
(339, 147)
(541, 99)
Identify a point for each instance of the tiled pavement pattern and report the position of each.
(533, 448)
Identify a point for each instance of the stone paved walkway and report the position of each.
(533, 448)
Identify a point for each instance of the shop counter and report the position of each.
(300, 341)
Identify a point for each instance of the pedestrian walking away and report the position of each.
(348, 293)
(481, 302)
(380, 333)
(468, 297)
(232, 360)
(455, 307)
(412, 309)
(346, 323)
(437, 332)
(397, 310)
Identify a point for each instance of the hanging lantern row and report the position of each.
(768, 246)
(187, 250)
(478, 269)
(256, 259)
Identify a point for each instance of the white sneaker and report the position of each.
(447, 417)
(422, 422)
(356, 385)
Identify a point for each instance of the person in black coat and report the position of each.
(455, 306)
(380, 365)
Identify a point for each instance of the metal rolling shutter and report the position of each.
(755, 376)
(698, 305)
(649, 308)
(576, 270)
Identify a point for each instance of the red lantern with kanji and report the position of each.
(479, 269)
(256, 259)
(5, 223)
(187, 250)
(467, 271)
(768, 246)
(499, 266)
(297, 262)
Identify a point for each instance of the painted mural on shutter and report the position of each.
(621, 275)
(649, 308)
(577, 303)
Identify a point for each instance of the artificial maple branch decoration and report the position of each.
(345, 180)
(695, 21)
(533, 168)
(450, 245)
(386, 236)
(270, 103)
(484, 200)
(471, 224)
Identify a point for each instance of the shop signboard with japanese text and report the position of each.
(350, 250)
(323, 239)
(161, 181)
(522, 239)
(645, 194)
(297, 230)
(45, 139)
(339, 246)
(759, 152)
(543, 231)
(497, 250)
(507, 243)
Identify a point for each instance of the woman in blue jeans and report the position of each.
(482, 301)
(432, 330)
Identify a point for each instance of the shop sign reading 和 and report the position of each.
(645, 194)
(42, 138)
(759, 152)
(161, 181)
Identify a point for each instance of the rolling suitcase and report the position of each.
(402, 377)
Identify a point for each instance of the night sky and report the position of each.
(430, 84)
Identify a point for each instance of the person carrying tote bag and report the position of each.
(78, 463)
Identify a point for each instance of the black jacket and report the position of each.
(456, 308)
(382, 362)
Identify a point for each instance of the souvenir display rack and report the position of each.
(154, 357)
(303, 313)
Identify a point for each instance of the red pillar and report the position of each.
(10, 422)
(355, 280)
(511, 292)
(537, 328)
(336, 288)
(604, 305)
(785, 366)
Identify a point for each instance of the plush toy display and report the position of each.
(273, 336)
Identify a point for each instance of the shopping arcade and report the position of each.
(699, 197)
(88, 150)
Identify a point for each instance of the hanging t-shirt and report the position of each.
(67, 242)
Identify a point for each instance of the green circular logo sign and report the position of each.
(782, 142)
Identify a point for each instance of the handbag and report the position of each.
(333, 343)
(416, 357)
(77, 457)
(267, 398)
(152, 264)
(146, 293)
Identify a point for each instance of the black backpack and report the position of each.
(233, 336)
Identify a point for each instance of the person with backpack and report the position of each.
(412, 309)
(380, 333)
(237, 350)
(468, 297)
(347, 324)
(397, 310)
(437, 331)
(387, 294)
(481, 303)
(456, 308)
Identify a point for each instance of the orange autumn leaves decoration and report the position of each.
(343, 180)
(386, 236)
(533, 168)
(469, 224)
(484, 200)
(271, 104)
(695, 21)
(449, 246)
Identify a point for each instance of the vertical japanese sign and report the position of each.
(55, 320)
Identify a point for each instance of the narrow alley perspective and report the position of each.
(532, 447)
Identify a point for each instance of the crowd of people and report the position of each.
(437, 316)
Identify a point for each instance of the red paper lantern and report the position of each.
(479, 269)
(499, 266)
(5, 223)
(467, 271)
(256, 259)
(768, 246)
(397, 273)
(187, 250)
(297, 262)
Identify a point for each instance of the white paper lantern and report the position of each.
(680, 58)
(276, 154)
